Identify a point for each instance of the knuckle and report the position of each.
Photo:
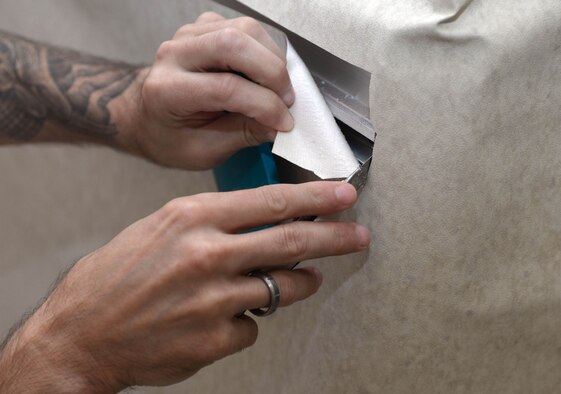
(230, 40)
(195, 266)
(165, 50)
(249, 25)
(226, 87)
(278, 68)
(292, 242)
(184, 211)
(173, 207)
(278, 75)
(274, 110)
(275, 201)
(185, 30)
(209, 15)
(201, 260)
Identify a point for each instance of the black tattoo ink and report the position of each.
(39, 82)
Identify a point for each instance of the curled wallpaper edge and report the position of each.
(316, 143)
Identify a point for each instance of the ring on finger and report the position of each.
(274, 291)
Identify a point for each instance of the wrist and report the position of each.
(36, 360)
(128, 115)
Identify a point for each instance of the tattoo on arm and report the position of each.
(40, 83)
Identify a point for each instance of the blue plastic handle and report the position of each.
(247, 169)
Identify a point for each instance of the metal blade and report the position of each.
(359, 178)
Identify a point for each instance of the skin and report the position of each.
(162, 299)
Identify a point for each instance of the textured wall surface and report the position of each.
(461, 291)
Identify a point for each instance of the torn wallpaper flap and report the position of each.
(316, 143)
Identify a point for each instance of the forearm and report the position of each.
(50, 94)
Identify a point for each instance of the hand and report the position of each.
(159, 301)
(196, 109)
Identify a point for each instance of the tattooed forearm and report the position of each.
(41, 83)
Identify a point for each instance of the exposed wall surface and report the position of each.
(461, 291)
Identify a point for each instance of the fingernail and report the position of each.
(271, 136)
(345, 193)
(289, 97)
(318, 275)
(363, 236)
(287, 122)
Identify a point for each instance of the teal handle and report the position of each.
(247, 169)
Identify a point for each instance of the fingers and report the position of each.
(227, 135)
(212, 22)
(232, 49)
(288, 244)
(188, 79)
(245, 209)
(239, 132)
(294, 286)
(216, 92)
(232, 132)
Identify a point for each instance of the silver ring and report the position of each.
(274, 291)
